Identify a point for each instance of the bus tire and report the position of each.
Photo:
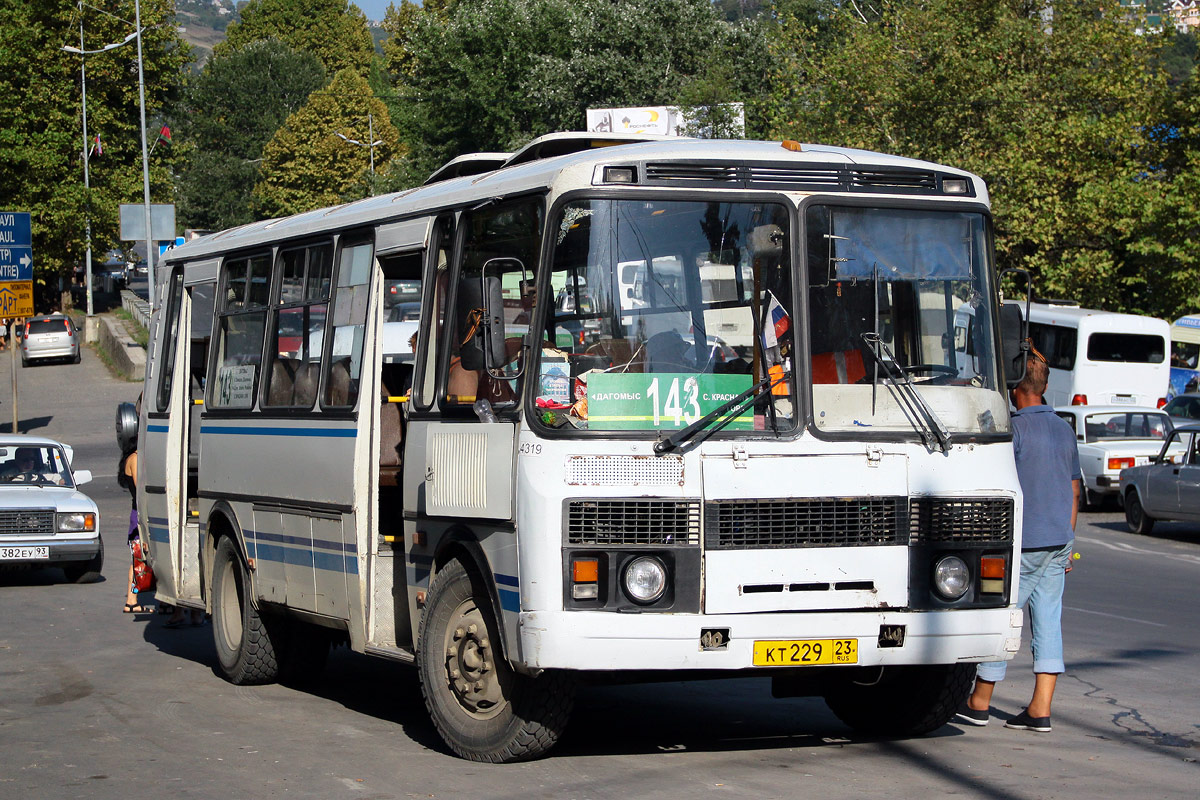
(482, 708)
(85, 571)
(1135, 514)
(244, 640)
(905, 701)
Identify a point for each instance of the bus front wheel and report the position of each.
(481, 707)
(245, 642)
(905, 701)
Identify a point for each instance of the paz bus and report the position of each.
(514, 507)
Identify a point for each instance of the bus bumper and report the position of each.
(588, 640)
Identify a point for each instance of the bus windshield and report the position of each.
(886, 287)
(654, 311)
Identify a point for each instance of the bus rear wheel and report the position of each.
(481, 707)
(246, 647)
(905, 701)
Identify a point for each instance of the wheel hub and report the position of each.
(471, 663)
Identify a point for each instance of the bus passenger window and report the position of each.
(240, 332)
(347, 325)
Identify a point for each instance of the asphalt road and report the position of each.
(98, 704)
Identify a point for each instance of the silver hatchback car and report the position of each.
(48, 337)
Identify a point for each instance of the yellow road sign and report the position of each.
(16, 299)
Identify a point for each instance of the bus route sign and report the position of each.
(16, 264)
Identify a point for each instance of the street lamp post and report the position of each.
(137, 10)
(87, 187)
(372, 143)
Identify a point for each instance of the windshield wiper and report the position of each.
(932, 431)
(722, 416)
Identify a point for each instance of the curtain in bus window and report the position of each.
(900, 245)
(347, 326)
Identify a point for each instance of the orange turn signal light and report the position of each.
(991, 567)
(1120, 463)
(585, 570)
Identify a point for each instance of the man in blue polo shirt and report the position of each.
(1048, 468)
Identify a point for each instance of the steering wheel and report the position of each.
(27, 476)
(936, 371)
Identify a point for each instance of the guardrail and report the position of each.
(138, 308)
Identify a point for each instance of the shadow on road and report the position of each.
(25, 425)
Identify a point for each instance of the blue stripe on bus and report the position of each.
(158, 534)
(296, 550)
(157, 428)
(507, 580)
(510, 600)
(303, 541)
(157, 520)
(329, 433)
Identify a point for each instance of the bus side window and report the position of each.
(435, 298)
(346, 326)
(505, 237)
(240, 332)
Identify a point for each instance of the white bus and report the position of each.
(826, 503)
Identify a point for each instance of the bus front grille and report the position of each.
(961, 519)
(805, 522)
(27, 522)
(632, 522)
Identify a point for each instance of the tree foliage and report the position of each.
(333, 30)
(232, 109)
(306, 165)
(492, 74)
(1062, 117)
(41, 138)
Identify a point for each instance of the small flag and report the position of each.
(97, 148)
(776, 323)
(165, 135)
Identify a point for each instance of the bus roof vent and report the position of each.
(799, 177)
(469, 164)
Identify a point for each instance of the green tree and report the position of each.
(232, 110)
(306, 165)
(41, 140)
(492, 74)
(333, 30)
(1057, 115)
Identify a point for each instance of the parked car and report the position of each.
(49, 337)
(1184, 409)
(44, 518)
(1112, 438)
(1168, 487)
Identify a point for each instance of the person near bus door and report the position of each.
(1048, 469)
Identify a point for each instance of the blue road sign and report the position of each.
(16, 246)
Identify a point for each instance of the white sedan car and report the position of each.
(44, 519)
(1112, 438)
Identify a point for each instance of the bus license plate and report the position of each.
(35, 553)
(805, 652)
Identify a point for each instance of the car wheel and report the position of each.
(78, 357)
(246, 641)
(1135, 516)
(85, 571)
(481, 707)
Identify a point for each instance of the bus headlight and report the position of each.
(951, 577)
(645, 579)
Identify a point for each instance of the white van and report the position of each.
(1095, 357)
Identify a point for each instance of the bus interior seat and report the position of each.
(338, 390)
(840, 367)
(283, 382)
(305, 387)
(391, 437)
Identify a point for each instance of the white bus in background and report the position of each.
(1185, 354)
(546, 490)
(1095, 357)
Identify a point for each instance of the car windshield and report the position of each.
(1126, 425)
(653, 316)
(902, 316)
(39, 465)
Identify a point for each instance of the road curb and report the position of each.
(128, 358)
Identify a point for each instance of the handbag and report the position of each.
(143, 576)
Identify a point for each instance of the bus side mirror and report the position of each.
(1013, 345)
(493, 322)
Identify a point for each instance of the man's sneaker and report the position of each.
(971, 716)
(1024, 722)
